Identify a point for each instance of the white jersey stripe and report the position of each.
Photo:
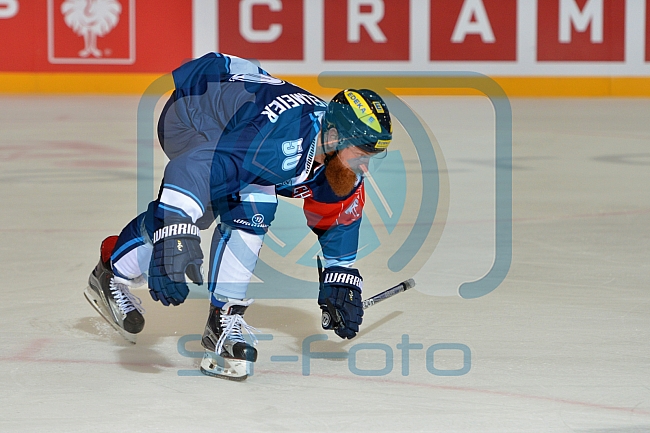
(181, 201)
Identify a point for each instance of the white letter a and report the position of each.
(465, 25)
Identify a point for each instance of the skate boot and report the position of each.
(112, 299)
(227, 354)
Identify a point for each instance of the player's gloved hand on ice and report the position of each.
(176, 253)
(339, 298)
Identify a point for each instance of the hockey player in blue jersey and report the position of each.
(236, 137)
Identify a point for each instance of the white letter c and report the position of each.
(8, 8)
(246, 21)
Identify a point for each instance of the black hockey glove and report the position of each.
(339, 298)
(176, 253)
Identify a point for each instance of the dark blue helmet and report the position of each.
(361, 118)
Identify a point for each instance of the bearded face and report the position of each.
(340, 177)
(343, 165)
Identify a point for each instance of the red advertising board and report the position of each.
(262, 29)
(155, 36)
(580, 30)
(366, 30)
(95, 35)
(473, 30)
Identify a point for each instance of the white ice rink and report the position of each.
(561, 345)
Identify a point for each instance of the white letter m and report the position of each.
(592, 14)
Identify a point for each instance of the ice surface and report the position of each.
(562, 345)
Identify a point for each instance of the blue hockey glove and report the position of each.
(176, 253)
(339, 298)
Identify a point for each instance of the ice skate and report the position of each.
(112, 299)
(227, 354)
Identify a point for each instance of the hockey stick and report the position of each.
(401, 287)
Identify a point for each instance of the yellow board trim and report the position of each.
(136, 84)
(76, 83)
(545, 87)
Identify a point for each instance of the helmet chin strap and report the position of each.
(329, 157)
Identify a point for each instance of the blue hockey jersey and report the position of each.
(235, 135)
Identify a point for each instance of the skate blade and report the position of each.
(231, 369)
(98, 305)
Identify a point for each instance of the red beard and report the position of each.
(341, 179)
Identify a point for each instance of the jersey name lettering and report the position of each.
(290, 100)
